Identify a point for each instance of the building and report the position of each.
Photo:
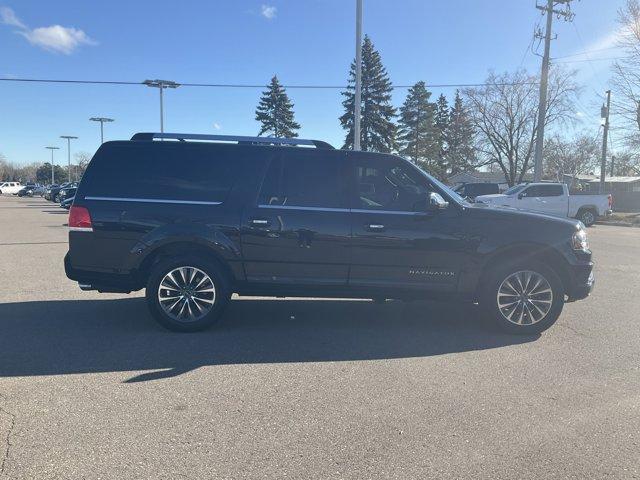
(483, 177)
(625, 191)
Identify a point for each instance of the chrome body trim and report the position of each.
(345, 210)
(151, 200)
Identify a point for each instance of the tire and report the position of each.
(587, 216)
(211, 296)
(515, 314)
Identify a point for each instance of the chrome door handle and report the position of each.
(378, 227)
(259, 222)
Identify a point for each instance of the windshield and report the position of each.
(515, 189)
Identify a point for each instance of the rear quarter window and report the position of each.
(161, 171)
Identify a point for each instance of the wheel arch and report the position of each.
(182, 247)
(523, 253)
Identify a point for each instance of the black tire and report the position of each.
(588, 216)
(221, 294)
(528, 323)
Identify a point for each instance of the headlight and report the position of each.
(580, 241)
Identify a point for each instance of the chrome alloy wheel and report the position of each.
(588, 218)
(186, 294)
(525, 298)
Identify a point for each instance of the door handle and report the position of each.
(259, 222)
(376, 227)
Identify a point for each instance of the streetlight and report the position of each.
(52, 175)
(161, 84)
(102, 120)
(69, 138)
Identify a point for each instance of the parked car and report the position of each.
(10, 188)
(53, 194)
(277, 217)
(67, 192)
(553, 199)
(53, 187)
(472, 190)
(38, 191)
(66, 203)
(26, 191)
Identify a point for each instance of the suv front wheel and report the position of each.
(187, 294)
(523, 298)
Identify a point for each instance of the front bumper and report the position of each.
(583, 283)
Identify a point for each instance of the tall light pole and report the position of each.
(102, 121)
(161, 85)
(69, 138)
(358, 92)
(549, 10)
(52, 175)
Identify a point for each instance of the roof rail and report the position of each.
(240, 140)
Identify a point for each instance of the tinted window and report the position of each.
(475, 189)
(544, 191)
(304, 179)
(161, 171)
(384, 183)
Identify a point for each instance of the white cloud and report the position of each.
(54, 38)
(217, 126)
(57, 38)
(268, 11)
(8, 17)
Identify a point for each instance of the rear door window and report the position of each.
(156, 171)
(544, 191)
(306, 179)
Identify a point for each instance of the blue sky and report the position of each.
(245, 41)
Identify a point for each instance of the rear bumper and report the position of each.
(101, 281)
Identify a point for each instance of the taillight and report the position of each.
(610, 202)
(79, 219)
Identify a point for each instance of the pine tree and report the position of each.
(442, 126)
(377, 130)
(275, 112)
(418, 136)
(461, 155)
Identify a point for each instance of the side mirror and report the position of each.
(436, 202)
(521, 196)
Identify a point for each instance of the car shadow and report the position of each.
(117, 335)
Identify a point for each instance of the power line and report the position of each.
(245, 85)
(590, 60)
(587, 52)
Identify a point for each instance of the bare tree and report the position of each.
(626, 72)
(505, 114)
(82, 162)
(580, 155)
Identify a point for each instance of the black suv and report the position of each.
(195, 218)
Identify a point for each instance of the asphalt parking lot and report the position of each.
(91, 387)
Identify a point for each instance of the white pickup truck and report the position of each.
(553, 199)
(12, 188)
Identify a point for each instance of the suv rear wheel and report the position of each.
(523, 298)
(187, 294)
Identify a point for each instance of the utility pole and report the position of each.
(605, 137)
(161, 85)
(102, 120)
(69, 138)
(548, 10)
(52, 171)
(358, 92)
